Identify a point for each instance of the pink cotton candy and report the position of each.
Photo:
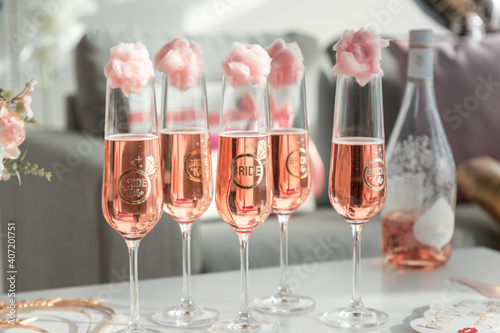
(287, 66)
(181, 61)
(358, 55)
(245, 63)
(129, 67)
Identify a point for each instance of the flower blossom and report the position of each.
(12, 132)
(26, 99)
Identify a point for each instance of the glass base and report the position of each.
(281, 304)
(186, 316)
(232, 327)
(355, 318)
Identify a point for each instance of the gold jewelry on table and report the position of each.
(54, 303)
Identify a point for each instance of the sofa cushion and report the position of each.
(467, 85)
(479, 180)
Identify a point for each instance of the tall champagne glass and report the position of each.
(244, 188)
(292, 184)
(187, 183)
(357, 180)
(132, 199)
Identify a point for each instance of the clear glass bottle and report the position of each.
(418, 218)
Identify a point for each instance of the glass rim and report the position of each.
(152, 77)
(350, 77)
(164, 75)
(266, 77)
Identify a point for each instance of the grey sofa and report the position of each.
(64, 240)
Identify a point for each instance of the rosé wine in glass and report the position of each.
(244, 180)
(357, 190)
(291, 170)
(187, 173)
(132, 203)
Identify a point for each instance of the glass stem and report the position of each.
(244, 305)
(283, 221)
(356, 240)
(133, 246)
(186, 263)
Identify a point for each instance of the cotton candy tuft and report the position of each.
(129, 67)
(359, 54)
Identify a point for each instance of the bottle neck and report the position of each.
(420, 63)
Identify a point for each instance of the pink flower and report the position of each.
(12, 132)
(181, 61)
(245, 63)
(287, 66)
(129, 67)
(26, 99)
(358, 55)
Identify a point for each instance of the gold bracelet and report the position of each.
(55, 303)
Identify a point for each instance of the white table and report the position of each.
(399, 293)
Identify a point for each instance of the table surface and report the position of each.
(401, 293)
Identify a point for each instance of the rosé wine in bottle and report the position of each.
(132, 197)
(186, 173)
(401, 246)
(357, 177)
(244, 175)
(418, 219)
(291, 170)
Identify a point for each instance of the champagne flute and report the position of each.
(357, 180)
(243, 194)
(187, 183)
(132, 199)
(292, 184)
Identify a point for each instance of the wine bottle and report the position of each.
(418, 218)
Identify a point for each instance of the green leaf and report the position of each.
(18, 177)
(7, 95)
(24, 155)
(32, 121)
(20, 108)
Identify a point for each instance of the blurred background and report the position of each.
(40, 35)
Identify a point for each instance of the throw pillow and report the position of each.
(479, 180)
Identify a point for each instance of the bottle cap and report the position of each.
(421, 37)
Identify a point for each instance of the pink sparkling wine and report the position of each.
(357, 177)
(132, 199)
(243, 194)
(402, 249)
(291, 169)
(186, 173)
